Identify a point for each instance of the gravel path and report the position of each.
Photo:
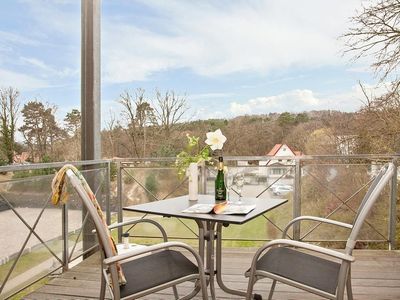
(14, 232)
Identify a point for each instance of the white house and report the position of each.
(283, 162)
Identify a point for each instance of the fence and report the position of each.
(326, 186)
(38, 239)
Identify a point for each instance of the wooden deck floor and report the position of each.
(376, 275)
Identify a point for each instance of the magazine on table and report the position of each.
(223, 208)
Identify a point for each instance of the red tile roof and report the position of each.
(276, 148)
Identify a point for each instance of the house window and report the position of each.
(276, 171)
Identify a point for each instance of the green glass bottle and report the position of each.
(220, 189)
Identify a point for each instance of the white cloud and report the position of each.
(16, 38)
(22, 81)
(60, 17)
(35, 62)
(209, 96)
(49, 71)
(219, 38)
(131, 54)
(30, 56)
(296, 100)
(241, 109)
(305, 100)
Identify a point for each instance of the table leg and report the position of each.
(206, 251)
(210, 256)
(219, 265)
(202, 233)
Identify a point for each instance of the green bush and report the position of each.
(3, 162)
(151, 183)
(113, 171)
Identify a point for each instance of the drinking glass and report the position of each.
(239, 182)
(228, 184)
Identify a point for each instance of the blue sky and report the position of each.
(228, 57)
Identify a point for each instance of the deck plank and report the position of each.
(375, 275)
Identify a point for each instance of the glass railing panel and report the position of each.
(335, 191)
(330, 187)
(31, 242)
(31, 247)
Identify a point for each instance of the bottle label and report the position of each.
(219, 194)
(220, 190)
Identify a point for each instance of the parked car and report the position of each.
(282, 189)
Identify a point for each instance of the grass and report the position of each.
(25, 262)
(30, 260)
(30, 289)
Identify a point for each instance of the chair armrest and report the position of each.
(315, 219)
(136, 252)
(302, 245)
(132, 222)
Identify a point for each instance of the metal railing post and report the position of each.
(392, 210)
(119, 195)
(65, 242)
(297, 199)
(108, 192)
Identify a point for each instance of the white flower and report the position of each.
(215, 139)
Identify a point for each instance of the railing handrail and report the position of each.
(37, 166)
(270, 157)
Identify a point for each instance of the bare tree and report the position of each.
(138, 113)
(378, 123)
(376, 33)
(169, 110)
(9, 108)
(110, 126)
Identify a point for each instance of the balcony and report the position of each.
(45, 254)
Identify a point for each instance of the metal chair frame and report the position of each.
(109, 260)
(346, 258)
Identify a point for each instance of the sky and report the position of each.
(228, 58)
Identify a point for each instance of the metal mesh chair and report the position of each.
(287, 261)
(146, 269)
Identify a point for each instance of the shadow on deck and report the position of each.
(375, 275)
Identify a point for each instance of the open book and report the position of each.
(223, 208)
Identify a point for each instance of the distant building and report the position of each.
(282, 164)
(21, 158)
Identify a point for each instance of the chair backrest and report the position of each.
(103, 233)
(380, 181)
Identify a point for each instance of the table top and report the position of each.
(173, 207)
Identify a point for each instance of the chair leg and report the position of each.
(348, 287)
(175, 292)
(102, 287)
(271, 291)
(212, 290)
(250, 287)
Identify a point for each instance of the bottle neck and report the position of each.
(220, 164)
